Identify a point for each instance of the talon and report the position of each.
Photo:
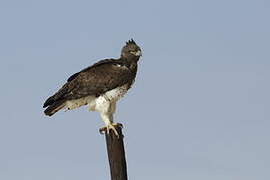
(111, 127)
(114, 130)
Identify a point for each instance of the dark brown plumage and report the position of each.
(97, 79)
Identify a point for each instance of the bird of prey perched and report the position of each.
(98, 86)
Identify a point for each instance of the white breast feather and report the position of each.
(104, 102)
(117, 93)
(100, 103)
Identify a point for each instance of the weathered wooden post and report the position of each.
(116, 154)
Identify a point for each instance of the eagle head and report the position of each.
(131, 50)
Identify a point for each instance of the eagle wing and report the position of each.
(105, 61)
(94, 80)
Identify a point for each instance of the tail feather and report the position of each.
(49, 101)
(53, 108)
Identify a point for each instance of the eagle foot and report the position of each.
(106, 129)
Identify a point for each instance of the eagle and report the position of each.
(99, 86)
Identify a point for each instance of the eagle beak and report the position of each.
(138, 53)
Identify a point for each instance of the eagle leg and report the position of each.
(111, 126)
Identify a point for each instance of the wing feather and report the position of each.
(101, 62)
(94, 80)
(99, 79)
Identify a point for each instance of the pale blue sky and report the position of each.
(199, 108)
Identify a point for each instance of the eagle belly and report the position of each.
(104, 103)
(115, 94)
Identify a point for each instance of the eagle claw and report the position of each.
(106, 129)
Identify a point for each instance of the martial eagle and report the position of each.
(98, 86)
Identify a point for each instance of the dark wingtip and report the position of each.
(53, 108)
(48, 102)
(47, 112)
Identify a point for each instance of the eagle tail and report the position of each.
(53, 108)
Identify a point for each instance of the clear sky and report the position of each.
(199, 108)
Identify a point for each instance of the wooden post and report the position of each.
(116, 155)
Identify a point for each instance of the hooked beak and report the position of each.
(138, 53)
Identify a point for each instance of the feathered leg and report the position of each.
(107, 117)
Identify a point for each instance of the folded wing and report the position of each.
(94, 80)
